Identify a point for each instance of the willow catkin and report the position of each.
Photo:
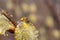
(5, 24)
(26, 31)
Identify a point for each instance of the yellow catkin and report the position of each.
(5, 25)
(26, 31)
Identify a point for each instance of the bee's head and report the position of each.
(25, 19)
